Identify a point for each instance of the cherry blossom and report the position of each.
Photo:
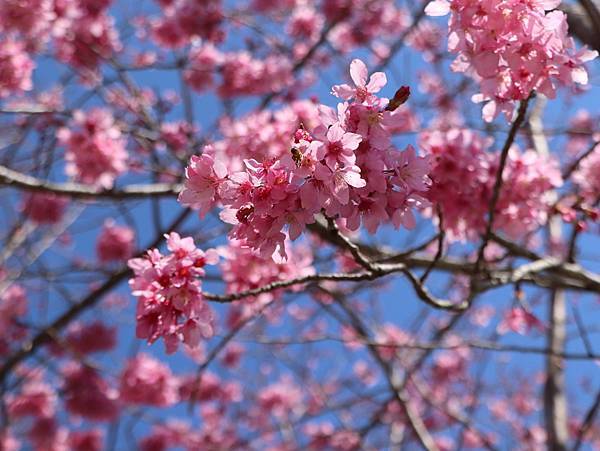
(115, 243)
(95, 150)
(168, 288)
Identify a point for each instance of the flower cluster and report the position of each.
(464, 174)
(244, 269)
(184, 20)
(13, 306)
(514, 47)
(44, 208)
(145, 380)
(169, 292)
(345, 167)
(88, 37)
(587, 177)
(15, 68)
(87, 394)
(95, 151)
(115, 243)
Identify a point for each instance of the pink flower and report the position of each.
(95, 152)
(115, 243)
(36, 399)
(204, 178)
(169, 292)
(146, 381)
(520, 321)
(362, 91)
(13, 306)
(87, 394)
(91, 440)
(483, 34)
(203, 63)
(87, 338)
(44, 208)
(15, 68)
(338, 146)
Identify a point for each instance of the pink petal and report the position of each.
(377, 81)
(335, 133)
(354, 179)
(351, 140)
(343, 91)
(438, 8)
(358, 72)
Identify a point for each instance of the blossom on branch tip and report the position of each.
(169, 292)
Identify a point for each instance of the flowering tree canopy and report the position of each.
(299, 224)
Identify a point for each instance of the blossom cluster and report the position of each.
(95, 150)
(464, 174)
(13, 306)
(16, 68)
(115, 242)
(82, 33)
(169, 291)
(512, 48)
(245, 269)
(345, 167)
(44, 208)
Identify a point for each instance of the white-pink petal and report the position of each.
(377, 81)
(358, 72)
(437, 8)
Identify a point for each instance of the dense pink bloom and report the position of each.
(91, 440)
(13, 306)
(176, 135)
(483, 34)
(209, 387)
(145, 380)
(342, 162)
(85, 40)
(36, 398)
(202, 65)
(95, 152)
(44, 208)
(325, 436)
(185, 20)
(243, 75)
(243, 268)
(305, 23)
(169, 293)
(32, 18)
(464, 174)
(280, 399)
(204, 177)
(15, 68)
(87, 394)
(115, 243)
(587, 177)
(87, 338)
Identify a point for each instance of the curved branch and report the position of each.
(9, 177)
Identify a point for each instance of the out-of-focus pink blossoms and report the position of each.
(115, 243)
(145, 380)
(95, 151)
(15, 68)
(44, 208)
